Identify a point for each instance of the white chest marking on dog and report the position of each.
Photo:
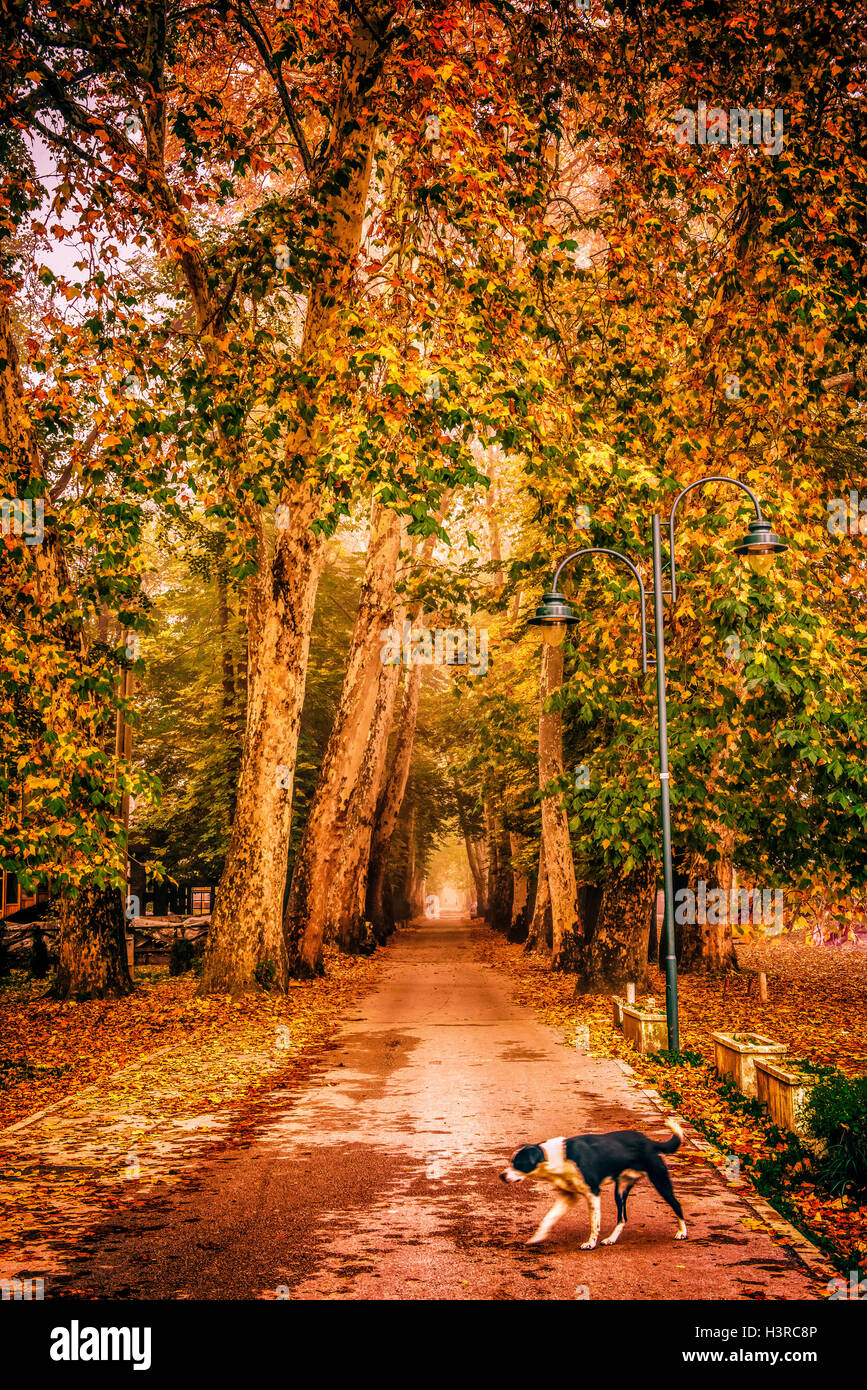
(560, 1170)
(555, 1152)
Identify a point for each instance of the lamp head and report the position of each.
(552, 617)
(759, 546)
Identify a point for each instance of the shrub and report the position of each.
(736, 1100)
(836, 1112)
(685, 1058)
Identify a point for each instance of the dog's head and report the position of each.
(524, 1164)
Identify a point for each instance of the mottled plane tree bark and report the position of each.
(540, 935)
(346, 919)
(307, 906)
(559, 864)
(388, 810)
(617, 952)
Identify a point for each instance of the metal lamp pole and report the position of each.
(664, 779)
(758, 547)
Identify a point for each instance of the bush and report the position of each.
(38, 962)
(836, 1112)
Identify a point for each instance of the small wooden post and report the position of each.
(763, 987)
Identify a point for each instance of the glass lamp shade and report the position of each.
(553, 634)
(759, 547)
(760, 562)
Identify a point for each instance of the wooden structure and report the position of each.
(13, 899)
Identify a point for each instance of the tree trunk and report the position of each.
(502, 885)
(478, 875)
(480, 848)
(389, 794)
(346, 907)
(491, 859)
(521, 888)
(414, 882)
(306, 909)
(540, 937)
(618, 950)
(409, 877)
(559, 865)
(418, 897)
(247, 941)
(653, 938)
(92, 948)
(389, 804)
(707, 943)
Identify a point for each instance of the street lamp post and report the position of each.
(554, 613)
(665, 796)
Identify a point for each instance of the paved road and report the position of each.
(381, 1180)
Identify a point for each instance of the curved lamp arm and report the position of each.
(700, 483)
(599, 550)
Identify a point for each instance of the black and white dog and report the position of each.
(578, 1167)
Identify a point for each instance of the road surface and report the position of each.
(380, 1179)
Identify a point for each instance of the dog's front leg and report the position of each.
(595, 1205)
(559, 1209)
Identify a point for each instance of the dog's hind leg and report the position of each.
(594, 1202)
(559, 1209)
(623, 1185)
(659, 1176)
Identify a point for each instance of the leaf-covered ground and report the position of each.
(817, 1006)
(50, 1050)
(149, 1084)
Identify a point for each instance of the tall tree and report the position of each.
(307, 905)
(62, 734)
(559, 864)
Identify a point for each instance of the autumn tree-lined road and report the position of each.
(326, 329)
(381, 1179)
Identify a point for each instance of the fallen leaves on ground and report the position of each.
(152, 1082)
(50, 1050)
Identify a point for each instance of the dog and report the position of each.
(578, 1167)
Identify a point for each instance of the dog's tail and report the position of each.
(670, 1146)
